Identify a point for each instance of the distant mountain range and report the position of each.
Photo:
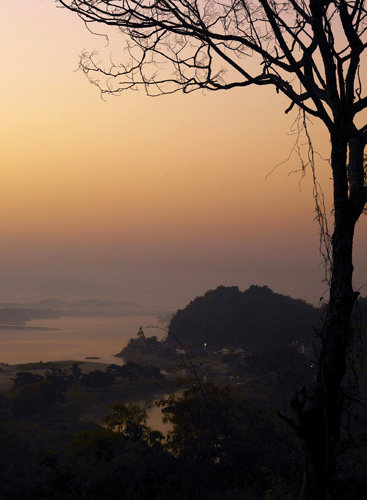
(87, 305)
(91, 305)
(15, 313)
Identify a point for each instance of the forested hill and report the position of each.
(254, 319)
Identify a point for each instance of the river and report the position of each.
(72, 337)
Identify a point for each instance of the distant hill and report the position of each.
(80, 306)
(15, 316)
(254, 319)
(104, 305)
(52, 303)
(20, 313)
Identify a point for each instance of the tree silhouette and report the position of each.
(312, 52)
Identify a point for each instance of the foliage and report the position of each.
(220, 446)
(34, 393)
(106, 464)
(36, 398)
(149, 346)
(127, 420)
(255, 319)
(97, 378)
(227, 442)
(76, 371)
(135, 371)
(25, 378)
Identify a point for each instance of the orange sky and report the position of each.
(156, 199)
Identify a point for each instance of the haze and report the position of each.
(154, 200)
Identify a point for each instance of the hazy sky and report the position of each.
(150, 199)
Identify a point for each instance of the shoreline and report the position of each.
(8, 371)
(55, 339)
(92, 404)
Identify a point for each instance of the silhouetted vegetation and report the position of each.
(149, 346)
(148, 351)
(63, 436)
(134, 371)
(97, 378)
(255, 319)
(220, 445)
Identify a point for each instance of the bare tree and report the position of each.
(309, 50)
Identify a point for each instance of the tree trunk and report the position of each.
(319, 413)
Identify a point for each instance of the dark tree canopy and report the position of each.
(256, 319)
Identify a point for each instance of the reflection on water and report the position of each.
(76, 338)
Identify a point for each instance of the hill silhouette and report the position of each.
(255, 319)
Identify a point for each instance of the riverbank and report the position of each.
(82, 401)
(8, 372)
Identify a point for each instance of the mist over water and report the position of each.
(74, 338)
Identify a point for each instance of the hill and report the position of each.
(255, 319)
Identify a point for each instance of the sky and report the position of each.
(154, 200)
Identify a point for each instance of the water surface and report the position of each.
(72, 337)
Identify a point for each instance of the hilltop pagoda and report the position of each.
(140, 334)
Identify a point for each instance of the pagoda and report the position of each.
(140, 333)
